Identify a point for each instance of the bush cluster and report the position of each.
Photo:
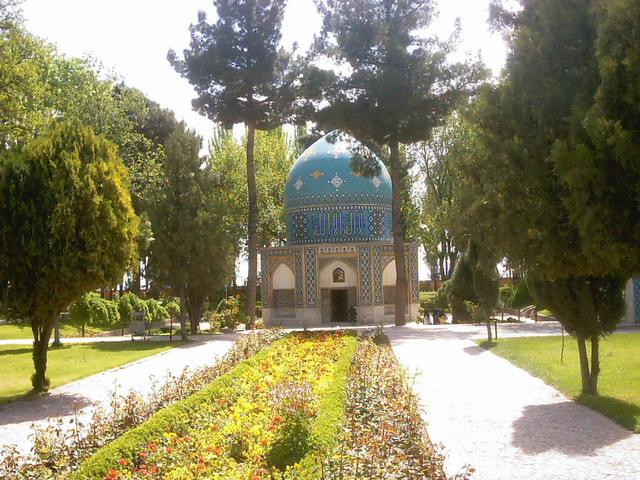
(227, 314)
(516, 297)
(92, 309)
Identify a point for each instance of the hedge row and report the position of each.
(193, 426)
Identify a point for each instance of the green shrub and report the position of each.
(506, 295)
(213, 319)
(156, 312)
(459, 311)
(129, 303)
(172, 305)
(92, 309)
(229, 313)
(521, 297)
(427, 300)
(440, 299)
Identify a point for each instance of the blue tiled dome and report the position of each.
(338, 191)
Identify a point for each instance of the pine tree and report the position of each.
(398, 86)
(242, 75)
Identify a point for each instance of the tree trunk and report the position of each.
(135, 278)
(183, 317)
(41, 328)
(487, 315)
(398, 235)
(252, 242)
(584, 364)
(595, 364)
(195, 312)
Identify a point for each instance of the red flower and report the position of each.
(123, 461)
(112, 475)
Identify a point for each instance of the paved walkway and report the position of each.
(16, 418)
(501, 420)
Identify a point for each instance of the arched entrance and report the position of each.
(283, 284)
(338, 291)
(389, 288)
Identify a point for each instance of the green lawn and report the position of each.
(15, 331)
(68, 363)
(619, 384)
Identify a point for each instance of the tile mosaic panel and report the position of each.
(339, 224)
(265, 279)
(364, 260)
(311, 275)
(332, 250)
(299, 277)
(377, 275)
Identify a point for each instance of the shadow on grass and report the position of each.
(625, 413)
(480, 348)
(39, 407)
(19, 350)
(564, 427)
(129, 346)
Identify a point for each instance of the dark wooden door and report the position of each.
(340, 305)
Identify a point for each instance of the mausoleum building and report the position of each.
(339, 251)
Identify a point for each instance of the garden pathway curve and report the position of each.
(503, 421)
(88, 393)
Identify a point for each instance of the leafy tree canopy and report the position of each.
(68, 226)
(193, 248)
(236, 65)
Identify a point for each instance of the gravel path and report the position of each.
(86, 394)
(501, 420)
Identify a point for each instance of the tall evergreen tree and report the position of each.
(193, 248)
(533, 186)
(68, 227)
(241, 75)
(396, 87)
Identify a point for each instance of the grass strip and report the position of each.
(68, 363)
(619, 395)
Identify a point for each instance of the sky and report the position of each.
(131, 38)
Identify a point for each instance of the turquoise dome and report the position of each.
(338, 191)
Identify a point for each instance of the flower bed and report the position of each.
(383, 436)
(59, 448)
(270, 413)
